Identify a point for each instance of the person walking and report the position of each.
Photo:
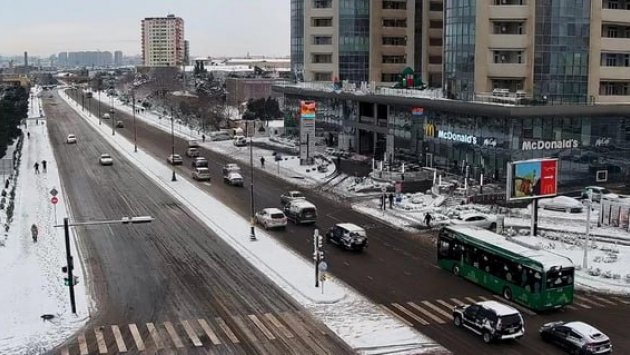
(391, 200)
(203, 138)
(427, 219)
(36, 166)
(28, 135)
(34, 232)
(44, 165)
(262, 162)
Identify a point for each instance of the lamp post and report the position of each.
(252, 234)
(99, 104)
(70, 264)
(135, 131)
(173, 178)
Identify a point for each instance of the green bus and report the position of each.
(537, 279)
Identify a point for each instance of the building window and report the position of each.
(614, 88)
(435, 59)
(435, 41)
(394, 41)
(320, 76)
(394, 5)
(507, 57)
(394, 22)
(389, 77)
(322, 4)
(322, 22)
(322, 40)
(436, 24)
(612, 4)
(436, 6)
(322, 58)
(394, 59)
(612, 32)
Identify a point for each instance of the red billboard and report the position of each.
(529, 179)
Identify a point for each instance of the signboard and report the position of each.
(54, 192)
(529, 179)
(417, 111)
(601, 176)
(54, 200)
(307, 131)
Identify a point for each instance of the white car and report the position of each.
(271, 218)
(476, 219)
(597, 192)
(233, 178)
(240, 141)
(561, 203)
(175, 159)
(71, 139)
(201, 174)
(105, 159)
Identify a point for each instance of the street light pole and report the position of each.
(99, 105)
(135, 131)
(589, 204)
(173, 178)
(252, 234)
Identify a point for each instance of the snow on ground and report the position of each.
(31, 277)
(357, 321)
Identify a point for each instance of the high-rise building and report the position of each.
(62, 59)
(366, 40)
(558, 51)
(186, 52)
(85, 59)
(163, 41)
(118, 58)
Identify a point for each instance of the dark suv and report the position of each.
(491, 319)
(576, 337)
(348, 236)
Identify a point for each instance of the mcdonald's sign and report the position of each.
(430, 130)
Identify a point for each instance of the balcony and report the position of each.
(507, 41)
(435, 15)
(394, 13)
(508, 12)
(435, 33)
(507, 70)
(615, 44)
(614, 73)
(616, 16)
(435, 50)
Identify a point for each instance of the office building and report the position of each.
(85, 59)
(118, 58)
(163, 41)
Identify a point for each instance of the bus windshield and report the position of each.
(559, 278)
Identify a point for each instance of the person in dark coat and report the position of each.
(44, 165)
(36, 166)
(262, 161)
(391, 200)
(427, 219)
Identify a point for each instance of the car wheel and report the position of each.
(507, 293)
(487, 337)
(457, 320)
(456, 270)
(493, 226)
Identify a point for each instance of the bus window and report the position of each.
(559, 278)
(444, 249)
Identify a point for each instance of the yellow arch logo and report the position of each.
(429, 129)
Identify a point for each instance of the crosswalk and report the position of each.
(188, 333)
(439, 311)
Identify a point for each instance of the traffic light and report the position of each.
(67, 283)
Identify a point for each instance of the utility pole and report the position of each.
(318, 255)
(70, 265)
(252, 234)
(135, 131)
(589, 203)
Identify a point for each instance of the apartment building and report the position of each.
(366, 40)
(561, 51)
(163, 41)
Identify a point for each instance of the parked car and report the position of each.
(597, 192)
(233, 178)
(106, 116)
(576, 337)
(175, 159)
(120, 124)
(476, 219)
(71, 139)
(201, 174)
(231, 167)
(192, 152)
(105, 159)
(199, 162)
(240, 141)
(348, 235)
(291, 196)
(561, 203)
(271, 218)
(491, 319)
(301, 211)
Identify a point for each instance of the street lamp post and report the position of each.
(99, 105)
(70, 264)
(173, 178)
(135, 132)
(252, 234)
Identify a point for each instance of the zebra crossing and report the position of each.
(439, 311)
(187, 333)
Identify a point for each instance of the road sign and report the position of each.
(54, 192)
(322, 266)
(383, 189)
(54, 200)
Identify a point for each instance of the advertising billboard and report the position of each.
(307, 131)
(529, 179)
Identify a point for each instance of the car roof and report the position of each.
(105, 155)
(231, 173)
(586, 330)
(230, 165)
(499, 308)
(471, 214)
(70, 135)
(294, 192)
(200, 158)
(302, 203)
(594, 188)
(273, 210)
(202, 169)
(350, 227)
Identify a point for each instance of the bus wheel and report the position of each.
(507, 293)
(456, 270)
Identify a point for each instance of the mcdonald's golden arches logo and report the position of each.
(429, 129)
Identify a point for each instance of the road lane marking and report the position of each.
(604, 300)
(227, 330)
(484, 298)
(83, 348)
(396, 315)
(279, 325)
(517, 306)
(209, 332)
(155, 336)
(64, 351)
(427, 313)
(619, 299)
(457, 302)
(136, 337)
(370, 278)
(248, 333)
(445, 304)
(171, 331)
(100, 341)
(582, 305)
(191, 333)
(584, 299)
(437, 309)
(207, 183)
(262, 327)
(122, 348)
(571, 307)
(410, 314)
(470, 299)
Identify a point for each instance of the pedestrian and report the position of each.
(262, 161)
(28, 135)
(44, 165)
(391, 200)
(203, 138)
(34, 232)
(36, 166)
(427, 219)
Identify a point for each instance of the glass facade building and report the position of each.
(297, 37)
(459, 48)
(561, 50)
(354, 40)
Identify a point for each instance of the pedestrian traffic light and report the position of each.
(67, 283)
(64, 269)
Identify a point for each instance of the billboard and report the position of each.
(307, 131)
(529, 179)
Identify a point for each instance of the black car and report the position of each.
(348, 235)
(491, 319)
(576, 337)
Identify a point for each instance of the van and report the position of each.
(106, 116)
(220, 136)
(301, 212)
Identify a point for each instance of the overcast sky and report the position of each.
(213, 27)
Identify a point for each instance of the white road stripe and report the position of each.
(584, 299)
(396, 315)
(427, 313)
(122, 348)
(571, 307)
(517, 306)
(207, 183)
(209, 332)
(248, 333)
(410, 314)
(136, 337)
(100, 340)
(437, 309)
(191, 333)
(582, 305)
(262, 327)
(619, 299)
(470, 299)
(457, 302)
(64, 351)
(83, 348)
(604, 300)
(445, 304)
(155, 336)
(279, 325)
(227, 330)
(484, 298)
(171, 331)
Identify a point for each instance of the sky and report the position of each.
(213, 27)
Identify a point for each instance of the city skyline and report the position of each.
(235, 28)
